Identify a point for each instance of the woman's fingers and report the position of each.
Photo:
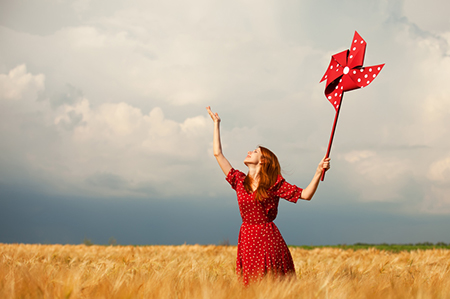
(210, 112)
(214, 116)
(326, 164)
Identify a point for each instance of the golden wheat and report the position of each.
(79, 271)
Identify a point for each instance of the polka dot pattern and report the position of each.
(261, 248)
(346, 71)
(365, 75)
(335, 98)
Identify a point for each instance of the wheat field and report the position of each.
(195, 271)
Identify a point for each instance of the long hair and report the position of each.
(268, 174)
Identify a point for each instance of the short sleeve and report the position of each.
(285, 190)
(234, 177)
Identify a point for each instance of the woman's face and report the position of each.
(253, 157)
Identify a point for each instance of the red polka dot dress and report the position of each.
(261, 248)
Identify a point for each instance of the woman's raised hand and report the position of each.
(324, 164)
(214, 116)
(217, 144)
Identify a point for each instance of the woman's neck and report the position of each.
(253, 174)
(253, 171)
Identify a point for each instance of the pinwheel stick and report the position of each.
(332, 135)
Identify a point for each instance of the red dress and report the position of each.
(261, 248)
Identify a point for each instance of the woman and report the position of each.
(261, 248)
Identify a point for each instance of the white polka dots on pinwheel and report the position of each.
(261, 248)
(365, 75)
(336, 96)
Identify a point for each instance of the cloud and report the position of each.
(18, 83)
(37, 17)
(439, 171)
(356, 156)
(114, 102)
(430, 16)
(437, 199)
(120, 140)
(105, 148)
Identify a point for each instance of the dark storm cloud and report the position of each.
(30, 217)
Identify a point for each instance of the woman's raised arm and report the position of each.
(217, 145)
(309, 191)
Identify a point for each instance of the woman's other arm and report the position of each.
(309, 191)
(217, 145)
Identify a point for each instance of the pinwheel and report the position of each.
(345, 73)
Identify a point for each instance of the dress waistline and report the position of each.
(256, 223)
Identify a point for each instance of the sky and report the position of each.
(104, 132)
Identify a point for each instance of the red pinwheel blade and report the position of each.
(341, 57)
(336, 67)
(364, 76)
(334, 94)
(325, 76)
(357, 52)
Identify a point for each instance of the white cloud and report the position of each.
(118, 139)
(18, 83)
(439, 171)
(356, 156)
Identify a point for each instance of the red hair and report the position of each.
(268, 174)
